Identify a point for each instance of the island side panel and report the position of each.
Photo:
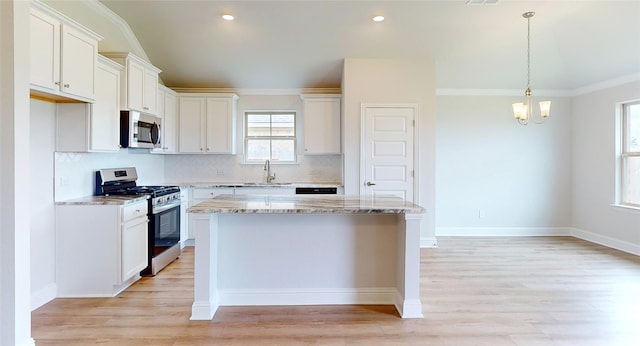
(205, 287)
(301, 259)
(408, 274)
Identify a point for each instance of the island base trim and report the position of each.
(321, 296)
(202, 311)
(408, 308)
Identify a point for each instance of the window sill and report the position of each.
(628, 208)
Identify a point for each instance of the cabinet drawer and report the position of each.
(199, 194)
(134, 210)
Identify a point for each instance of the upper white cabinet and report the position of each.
(83, 127)
(63, 55)
(167, 108)
(139, 83)
(321, 117)
(207, 123)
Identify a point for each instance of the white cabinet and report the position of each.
(184, 205)
(83, 127)
(207, 123)
(100, 249)
(63, 55)
(321, 117)
(139, 83)
(167, 109)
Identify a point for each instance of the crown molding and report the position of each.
(241, 91)
(610, 83)
(116, 20)
(501, 92)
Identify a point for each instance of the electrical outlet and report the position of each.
(63, 181)
(481, 214)
(220, 171)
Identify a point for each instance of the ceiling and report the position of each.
(302, 43)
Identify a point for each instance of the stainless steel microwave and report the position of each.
(138, 130)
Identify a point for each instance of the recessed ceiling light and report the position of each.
(378, 18)
(227, 17)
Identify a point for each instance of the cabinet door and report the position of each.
(321, 125)
(191, 116)
(135, 86)
(150, 92)
(45, 50)
(219, 124)
(134, 247)
(169, 124)
(105, 112)
(79, 59)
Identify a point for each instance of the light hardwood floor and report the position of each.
(475, 291)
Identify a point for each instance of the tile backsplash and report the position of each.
(229, 168)
(75, 172)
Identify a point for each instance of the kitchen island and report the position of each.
(306, 250)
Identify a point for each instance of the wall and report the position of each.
(594, 163)
(230, 168)
(43, 235)
(75, 172)
(392, 81)
(15, 311)
(518, 177)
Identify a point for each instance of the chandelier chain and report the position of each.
(528, 52)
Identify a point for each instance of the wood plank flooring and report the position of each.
(475, 291)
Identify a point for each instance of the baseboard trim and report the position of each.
(428, 242)
(43, 296)
(320, 296)
(606, 241)
(502, 231)
(537, 232)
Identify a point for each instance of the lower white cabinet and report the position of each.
(200, 194)
(100, 249)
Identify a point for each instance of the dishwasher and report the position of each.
(316, 190)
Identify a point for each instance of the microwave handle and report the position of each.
(154, 134)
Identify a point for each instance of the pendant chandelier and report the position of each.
(523, 111)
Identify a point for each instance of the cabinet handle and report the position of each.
(66, 85)
(57, 83)
(145, 108)
(370, 183)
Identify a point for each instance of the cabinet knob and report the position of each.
(66, 85)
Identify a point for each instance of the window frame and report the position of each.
(294, 138)
(625, 153)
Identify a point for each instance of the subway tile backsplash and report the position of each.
(229, 168)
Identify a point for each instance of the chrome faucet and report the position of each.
(270, 176)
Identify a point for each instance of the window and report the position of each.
(630, 155)
(270, 136)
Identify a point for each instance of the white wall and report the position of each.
(518, 176)
(594, 162)
(43, 235)
(230, 168)
(392, 81)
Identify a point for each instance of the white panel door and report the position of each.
(388, 152)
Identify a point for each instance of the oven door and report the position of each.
(164, 228)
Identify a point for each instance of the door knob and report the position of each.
(370, 183)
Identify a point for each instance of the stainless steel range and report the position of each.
(164, 213)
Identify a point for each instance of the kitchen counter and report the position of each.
(306, 250)
(103, 200)
(255, 184)
(304, 204)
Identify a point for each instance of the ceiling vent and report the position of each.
(482, 2)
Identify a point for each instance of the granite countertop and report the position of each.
(103, 200)
(255, 184)
(304, 204)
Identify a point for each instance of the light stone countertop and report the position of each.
(304, 204)
(103, 200)
(254, 184)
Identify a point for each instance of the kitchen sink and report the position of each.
(262, 184)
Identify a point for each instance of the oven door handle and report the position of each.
(160, 209)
